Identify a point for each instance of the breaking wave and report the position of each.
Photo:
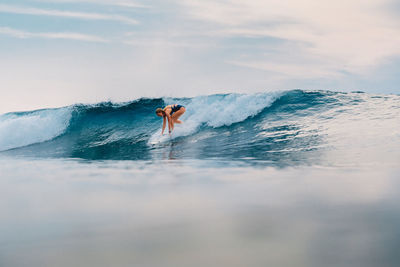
(290, 127)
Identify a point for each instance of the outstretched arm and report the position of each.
(169, 123)
(163, 126)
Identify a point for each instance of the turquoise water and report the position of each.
(290, 128)
(296, 178)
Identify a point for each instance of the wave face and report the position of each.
(281, 128)
(26, 128)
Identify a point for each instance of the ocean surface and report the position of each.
(289, 178)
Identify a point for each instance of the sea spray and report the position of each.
(26, 128)
(216, 111)
(290, 128)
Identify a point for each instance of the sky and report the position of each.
(59, 52)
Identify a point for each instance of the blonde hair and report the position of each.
(160, 110)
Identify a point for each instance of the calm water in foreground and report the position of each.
(180, 213)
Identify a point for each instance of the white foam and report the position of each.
(216, 111)
(17, 130)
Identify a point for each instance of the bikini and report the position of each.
(175, 108)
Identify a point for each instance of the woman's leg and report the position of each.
(177, 114)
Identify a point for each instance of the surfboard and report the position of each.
(159, 139)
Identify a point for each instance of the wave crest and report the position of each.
(22, 129)
(217, 111)
(290, 127)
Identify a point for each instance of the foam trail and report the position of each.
(22, 129)
(216, 111)
(284, 129)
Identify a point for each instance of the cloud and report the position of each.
(54, 35)
(65, 14)
(129, 4)
(352, 36)
(296, 70)
(126, 3)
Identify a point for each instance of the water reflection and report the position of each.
(65, 213)
(278, 144)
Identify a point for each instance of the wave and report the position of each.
(26, 128)
(290, 127)
(217, 111)
(115, 121)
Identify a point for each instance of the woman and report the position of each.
(172, 113)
